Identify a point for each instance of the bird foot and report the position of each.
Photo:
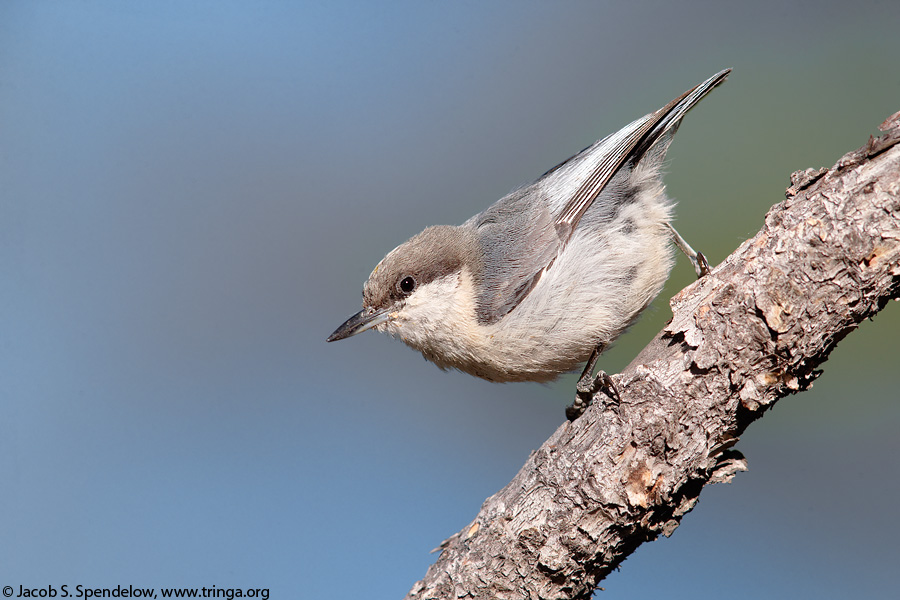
(585, 390)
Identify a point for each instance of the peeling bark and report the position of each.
(751, 332)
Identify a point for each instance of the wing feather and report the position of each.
(628, 145)
(522, 234)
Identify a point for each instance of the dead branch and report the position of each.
(753, 331)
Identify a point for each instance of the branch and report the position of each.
(754, 330)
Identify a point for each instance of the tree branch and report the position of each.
(753, 331)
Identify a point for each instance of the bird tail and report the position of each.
(668, 118)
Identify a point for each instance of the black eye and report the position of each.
(407, 285)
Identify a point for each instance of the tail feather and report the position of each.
(669, 116)
(627, 145)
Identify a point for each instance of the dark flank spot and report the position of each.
(628, 226)
(627, 195)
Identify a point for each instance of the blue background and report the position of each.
(192, 194)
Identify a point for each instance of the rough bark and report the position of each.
(753, 331)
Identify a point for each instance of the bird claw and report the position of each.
(585, 390)
(701, 266)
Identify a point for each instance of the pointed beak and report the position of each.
(367, 318)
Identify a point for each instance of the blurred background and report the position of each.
(193, 193)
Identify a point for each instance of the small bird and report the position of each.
(549, 275)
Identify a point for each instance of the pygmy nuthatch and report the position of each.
(549, 275)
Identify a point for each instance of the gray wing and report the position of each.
(604, 159)
(518, 241)
(522, 234)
